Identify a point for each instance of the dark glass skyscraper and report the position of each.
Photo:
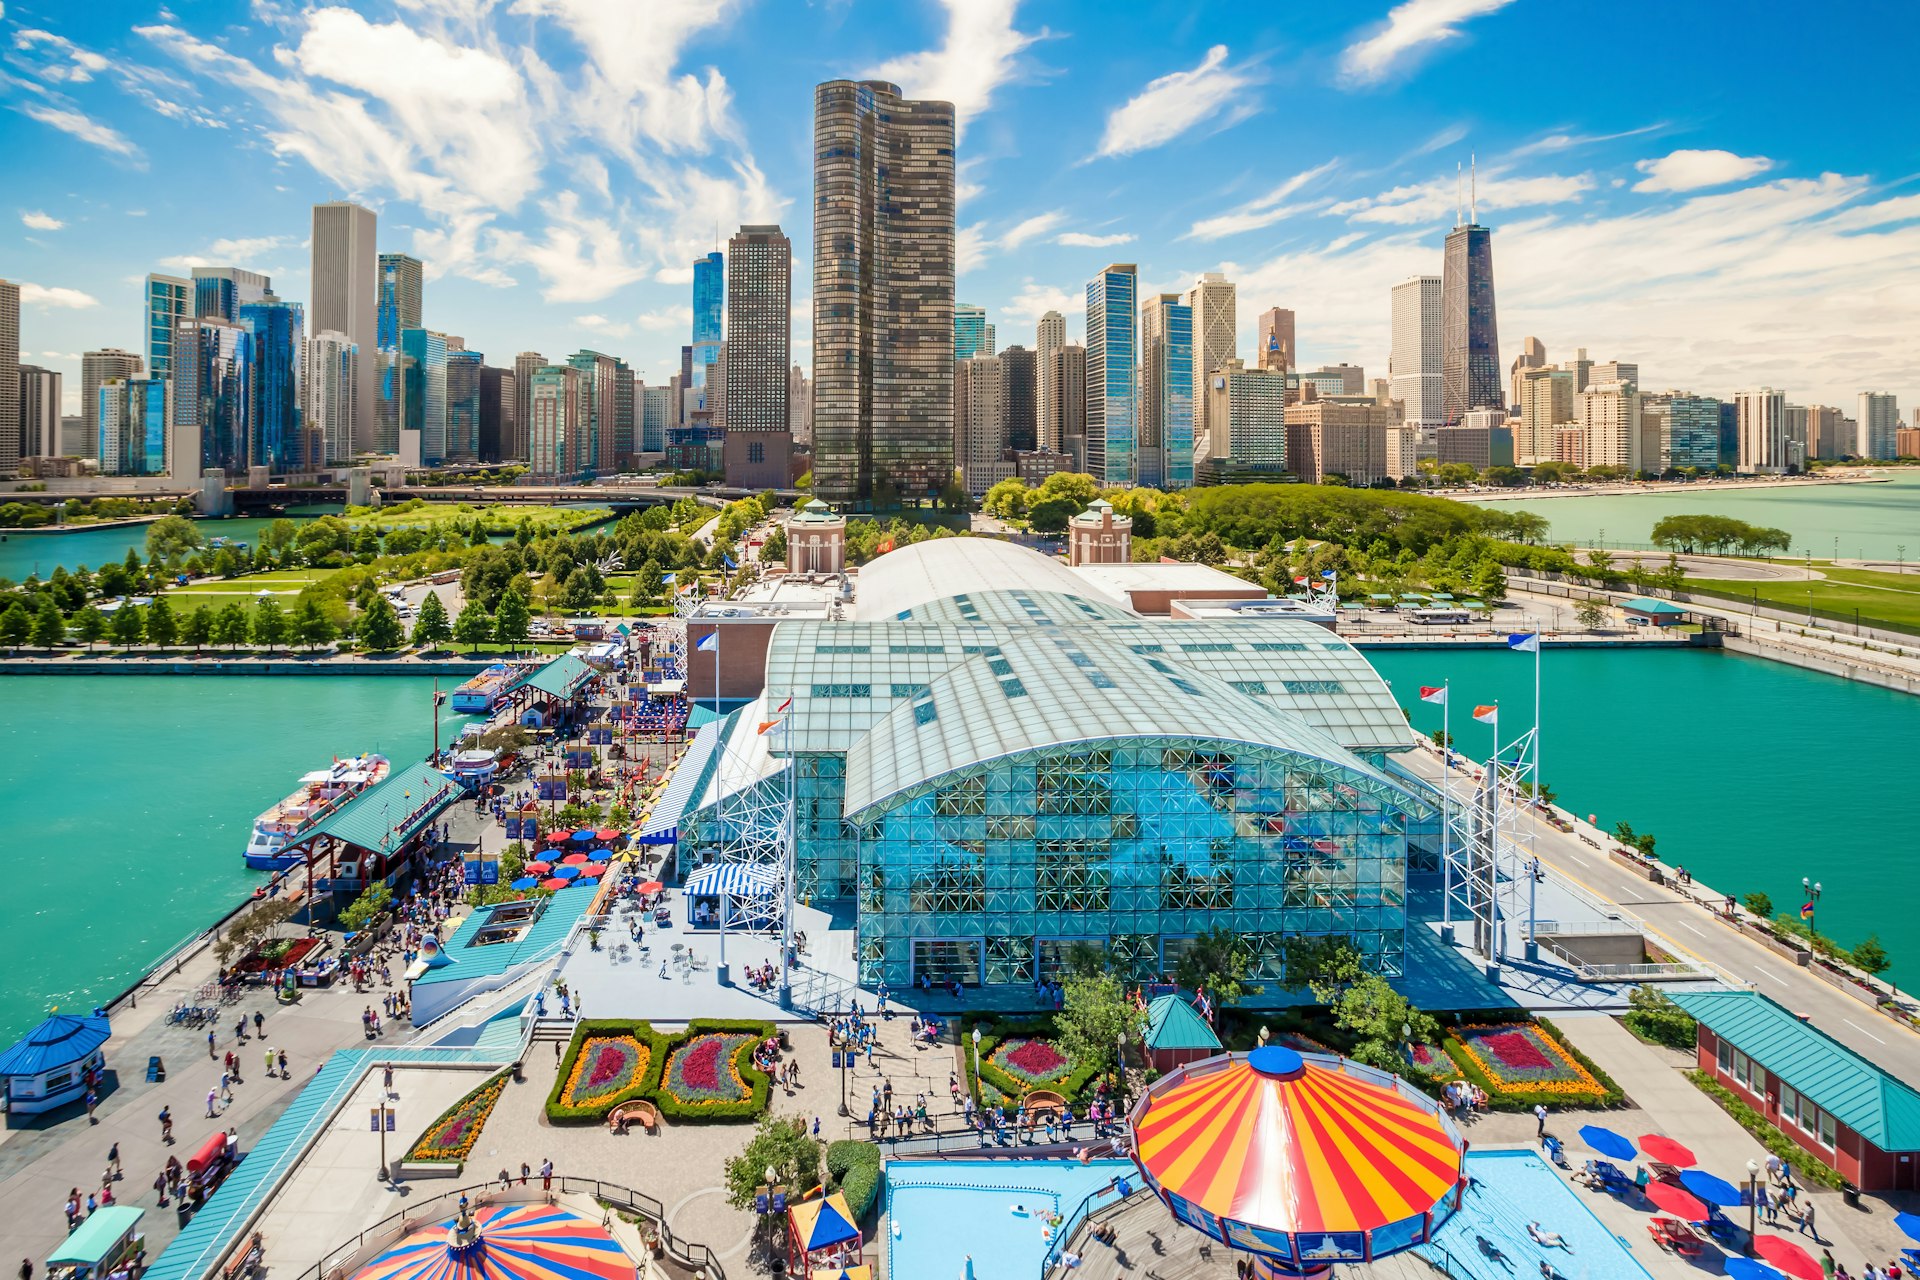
(278, 332)
(1469, 333)
(709, 305)
(397, 307)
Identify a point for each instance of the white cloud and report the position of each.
(600, 324)
(666, 320)
(55, 296)
(1439, 200)
(1175, 103)
(492, 277)
(970, 246)
(1035, 300)
(1263, 211)
(1564, 140)
(966, 182)
(243, 251)
(57, 58)
(1031, 229)
(674, 275)
(1410, 27)
(41, 221)
(979, 54)
(1082, 240)
(1691, 170)
(87, 129)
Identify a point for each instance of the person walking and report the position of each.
(113, 1159)
(213, 1103)
(26, 1269)
(1806, 1221)
(93, 1101)
(160, 1187)
(210, 1051)
(269, 1062)
(546, 1175)
(166, 1125)
(1539, 1119)
(283, 1064)
(259, 1021)
(525, 1169)
(226, 1087)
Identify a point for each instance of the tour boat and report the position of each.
(486, 691)
(319, 793)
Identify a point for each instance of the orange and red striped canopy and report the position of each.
(1296, 1146)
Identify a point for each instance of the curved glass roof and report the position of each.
(1058, 688)
(899, 583)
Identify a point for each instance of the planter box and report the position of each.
(1633, 864)
(431, 1168)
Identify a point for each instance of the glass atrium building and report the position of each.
(995, 760)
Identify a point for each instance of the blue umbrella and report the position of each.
(1909, 1223)
(1709, 1188)
(565, 873)
(581, 837)
(1739, 1268)
(526, 882)
(1606, 1142)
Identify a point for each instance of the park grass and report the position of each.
(498, 517)
(277, 578)
(1891, 599)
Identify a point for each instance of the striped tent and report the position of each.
(1301, 1160)
(738, 879)
(517, 1242)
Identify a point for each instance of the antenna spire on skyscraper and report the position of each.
(1473, 210)
(1457, 202)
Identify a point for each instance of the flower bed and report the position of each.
(708, 1073)
(609, 1062)
(279, 954)
(1018, 1056)
(450, 1139)
(1034, 1061)
(1523, 1063)
(1432, 1062)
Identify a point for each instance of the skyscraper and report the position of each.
(1277, 349)
(979, 443)
(133, 427)
(1113, 400)
(972, 335)
(39, 412)
(1019, 411)
(1878, 419)
(95, 368)
(800, 406)
(220, 292)
(279, 341)
(1248, 420)
(1609, 414)
(345, 281)
(883, 267)
(422, 378)
(656, 412)
(1692, 432)
(9, 378)
(398, 307)
(212, 407)
(463, 405)
(1049, 336)
(558, 425)
(1214, 302)
(330, 398)
(1066, 414)
(1533, 355)
(1414, 367)
(594, 437)
(1763, 431)
(709, 305)
(1167, 344)
(525, 365)
(498, 401)
(1470, 353)
(169, 300)
(759, 441)
(1546, 402)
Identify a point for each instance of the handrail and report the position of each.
(1082, 1216)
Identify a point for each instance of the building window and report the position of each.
(843, 691)
(1249, 686)
(756, 452)
(1827, 1134)
(1315, 686)
(1723, 1057)
(900, 690)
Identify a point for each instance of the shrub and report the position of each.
(643, 1085)
(1809, 1169)
(855, 1167)
(993, 1033)
(1515, 1097)
(1652, 1016)
(751, 1078)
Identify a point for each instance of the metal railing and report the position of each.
(341, 1262)
(1101, 1202)
(1673, 971)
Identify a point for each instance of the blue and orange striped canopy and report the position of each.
(1296, 1146)
(518, 1242)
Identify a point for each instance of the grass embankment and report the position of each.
(1892, 599)
(214, 593)
(498, 517)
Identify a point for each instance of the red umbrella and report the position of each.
(607, 833)
(1788, 1256)
(593, 870)
(652, 886)
(1666, 1150)
(555, 883)
(573, 859)
(539, 868)
(1677, 1200)
(557, 837)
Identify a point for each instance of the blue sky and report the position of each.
(1726, 194)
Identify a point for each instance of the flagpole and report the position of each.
(1446, 810)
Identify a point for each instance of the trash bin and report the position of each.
(1850, 1194)
(518, 1077)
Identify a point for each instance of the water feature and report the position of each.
(41, 553)
(129, 799)
(1511, 1189)
(1749, 773)
(940, 1212)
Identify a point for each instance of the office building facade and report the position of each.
(220, 292)
(422, 378)
(278, 440)
(972, 335)
(557, 431)
(656, 412)
(1063, 420)
(133, 427)
(345, 285)
(1167, 338)
(1470, 331)
(1546, 402)
(399, 306)
(1533, 355)
(499, 429)
(709, 312)
(1413, 369)
(1113, 351)
(980, 445)
(1692, 435)
(1246, 421)
(168, 301)
(9, 377)
(1609, 414)
(1019, 399)
(95, 368)
(1050, 334)
(1878, 419)
(525, 365)
(1214, 302)
(211, 405)
(1331, 437)
(1276, 341)
(39, 417)
(463, 404)
(883, 303)
(599, 445)
(757, 450)
(1762, 415)
(331, 396)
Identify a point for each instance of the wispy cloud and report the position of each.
(87, 129)
(1031, 228)
(40, 295)
(980, 53)
(1178, 102)
(1263, 211)
(1692, 170)
(1082, 240)
(600, 324)
(1565, 139)
(1410, 28)
(239, 251)
(1035, 300)
(41, 221)
(1439, 199)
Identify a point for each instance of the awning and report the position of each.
(94, 1239)
(689, 776)
(739, 879)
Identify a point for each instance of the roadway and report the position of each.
(1682, 921)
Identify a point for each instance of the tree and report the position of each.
(163, 624)
(127, 625)
(1760, 904)
(196, 628)
(1007, 499)
(1591, 613)
(780, 1143)
(1652, 1016)
(1050, 515)
(232, 627)
(1870, 955)
(1626, 835)
(311, 626)
(431, 629)
(1382, 1022)
(269, 623)
(380, 630)
(1094, 1016)
(171, 537)
(90, 625)
(647, 581)
(473, 627)
(1217, 961)
(1323, 965)
(16, 624)
(774, 549)
(362, 911)
(511, 618)
(49, 628)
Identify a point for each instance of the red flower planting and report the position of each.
(1033, 1061)
(702, 1070)
(608, 1064)
(1515, 1049)
(701, 1067)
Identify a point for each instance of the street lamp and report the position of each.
(976, 1051)
(1753, 1201)
(1812, 888)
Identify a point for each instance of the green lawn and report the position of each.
(499, 517)
(1891, 599)
(274, 580)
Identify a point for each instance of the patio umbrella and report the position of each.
(526, 882)
(555, 883)
(540, 868)
(1710, 1189)
(556, 837)
(1676, 1200)
(1788, 1257)
(1740, 1268)
(605, 834)
(1606, 1142)
(1909, 1223)
(593, 870)
(566, 873)
(574, 859)
(1666, 1150)
(581, 837)
(654, 886)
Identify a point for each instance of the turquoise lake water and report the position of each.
(1868, 520)
(128, 800)
(25, 553)
(1749, 773)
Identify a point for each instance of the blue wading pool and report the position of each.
(939, 1211)
(1511, 1189)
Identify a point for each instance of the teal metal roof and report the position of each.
(90, 1242)
(1173, 1024)
(1880, 1108)
(197, 1250)
(1646, 604)
(565, 676)
(542, 939)
(388, 814)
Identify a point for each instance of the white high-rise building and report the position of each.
(1878, 419)
(345, 285)
(979, 443)
(1414, 369)
(1609, 414)
(331, 395)
(1762, 415)
(1049, 336)
(1215, 303)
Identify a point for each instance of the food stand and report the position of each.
(108, 1243)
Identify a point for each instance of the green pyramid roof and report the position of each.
(1172, 1024)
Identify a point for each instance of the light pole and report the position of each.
(976, 1052)
(1812, 888)
(1753, 1201)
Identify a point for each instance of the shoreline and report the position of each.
(121, 522)
(1659, 487)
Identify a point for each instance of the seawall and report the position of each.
(1865, 673)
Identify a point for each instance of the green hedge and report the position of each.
(757, 1081)
(855, 1167)
(644, 1087)
(1809, 1169)
(1504, 1098)
(995, 1031)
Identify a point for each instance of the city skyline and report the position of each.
(1724, 241)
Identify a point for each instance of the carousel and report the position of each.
(505, 1242)
(1299, 1161)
